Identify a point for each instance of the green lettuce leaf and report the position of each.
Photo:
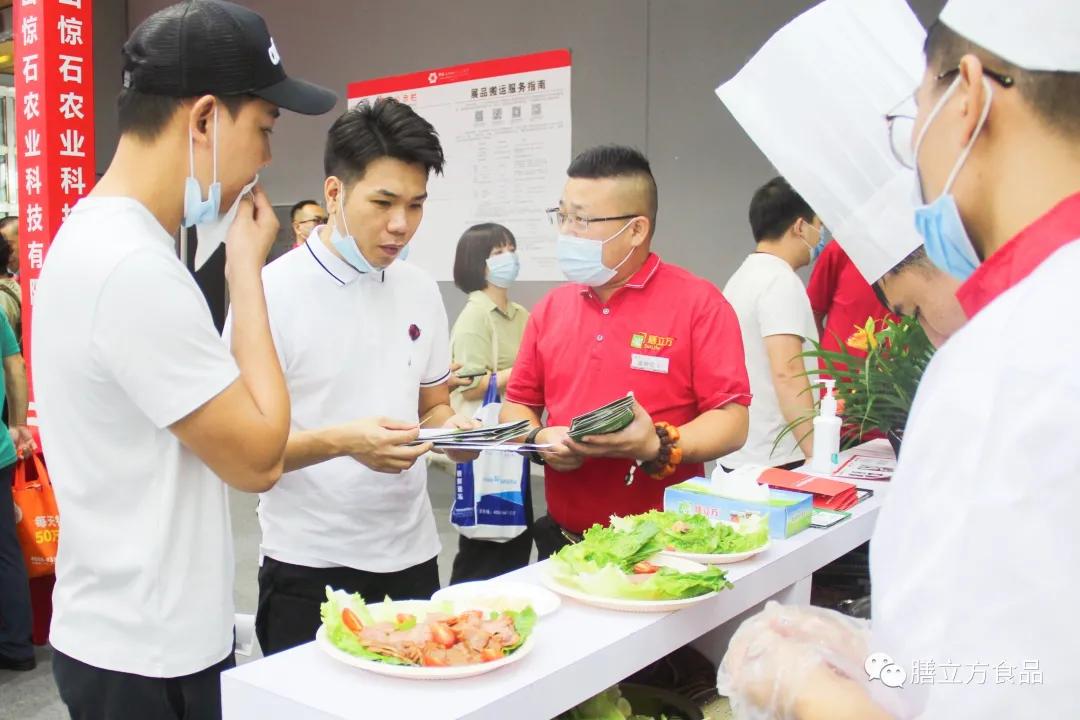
(698, 534)
(603, 546)
(607, 705)
(665, 584)
(524, 622)
(343, 638)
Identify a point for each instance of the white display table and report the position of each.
(579, 652)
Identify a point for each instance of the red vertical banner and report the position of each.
(54, 103)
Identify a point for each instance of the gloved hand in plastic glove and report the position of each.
(799, 663)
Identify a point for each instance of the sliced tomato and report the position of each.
(645, 568)
(430, 660)
(351, 621)
(443, 635)
(491, 653)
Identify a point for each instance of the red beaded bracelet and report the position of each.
(667, 459)
(670, 454)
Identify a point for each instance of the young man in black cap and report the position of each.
(143, 408)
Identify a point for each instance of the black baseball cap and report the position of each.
(213, 47)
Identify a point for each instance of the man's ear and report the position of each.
(201, 119)
(332, 187)
(640, 230)
(973, 90)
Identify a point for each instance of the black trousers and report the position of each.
(550, 538)
(484, 559)
(15, 613)
(290, 596)
(91, 693)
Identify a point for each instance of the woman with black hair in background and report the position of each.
(485, 340)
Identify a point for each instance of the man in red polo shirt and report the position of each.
(626, 322)
(840, 298)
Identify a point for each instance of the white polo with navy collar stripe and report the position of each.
(352, 345)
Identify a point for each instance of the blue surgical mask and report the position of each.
(824, 236)
(502, 269)
(947, 243)
(345, 244)
(197, 210)
(582, 260)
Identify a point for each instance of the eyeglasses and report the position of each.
(558, 218)
(317, 220)
(902, 125)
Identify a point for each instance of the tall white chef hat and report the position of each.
(1031, 34)
(857, 60)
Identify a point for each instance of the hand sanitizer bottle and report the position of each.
(826, 433)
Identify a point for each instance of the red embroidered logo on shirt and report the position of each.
(647, 341)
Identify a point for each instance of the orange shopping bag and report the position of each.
(37, 522)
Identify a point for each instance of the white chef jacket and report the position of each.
(975, 556)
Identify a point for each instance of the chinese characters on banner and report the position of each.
(54, 93)
(505, 131)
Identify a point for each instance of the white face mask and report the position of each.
(212, 233)
(581, 259)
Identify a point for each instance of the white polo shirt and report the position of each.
(123, 347)
(346, 344)
(769, 299)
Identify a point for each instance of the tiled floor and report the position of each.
(32, 695)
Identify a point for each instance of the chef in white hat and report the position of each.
(974, 557)
(841, 162)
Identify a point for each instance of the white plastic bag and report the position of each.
(489, 499)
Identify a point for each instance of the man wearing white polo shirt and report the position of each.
(360, 334)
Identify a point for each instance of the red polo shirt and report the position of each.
(839, 291)
(578, 353)
(1019, 257)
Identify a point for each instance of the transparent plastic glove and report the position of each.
(787, 659)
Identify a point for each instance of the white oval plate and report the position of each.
(484, 594)
(717, 559)
(627, 605)
(415, 672)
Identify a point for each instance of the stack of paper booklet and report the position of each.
(492, 437)
(610, 418)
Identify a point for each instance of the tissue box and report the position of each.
(789, 512)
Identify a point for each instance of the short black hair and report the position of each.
(298, 206)
(774, 208)
(1054, 96)
(473, 250)
(387, 128)
(613, 161)
(4, 222)
(917, 258)
(145, 116)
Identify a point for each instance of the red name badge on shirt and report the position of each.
(828, 494)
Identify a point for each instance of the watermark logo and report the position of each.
(880, 666)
